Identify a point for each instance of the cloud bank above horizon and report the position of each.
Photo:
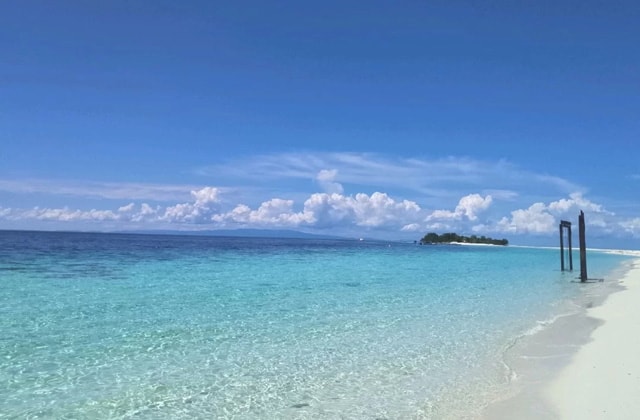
(378, 196)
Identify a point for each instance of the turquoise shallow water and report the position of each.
(142, 326)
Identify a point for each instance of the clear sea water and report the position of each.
(114, 326)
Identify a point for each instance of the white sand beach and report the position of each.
(603, 379)
(587, 367)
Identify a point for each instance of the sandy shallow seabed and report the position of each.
(587, 364)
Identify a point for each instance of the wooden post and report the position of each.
(564, 224)
(583, 247)
(561, 248)
(570, 250)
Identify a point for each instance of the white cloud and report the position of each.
(127, 209)
(206, 195)
(376, 210)
(334, 211)
(327, 210)
(327, 180)
(598, 222)
(412, 227)
(379, 209)
(108, 190)
(440, 182)
(504, 195)
(145, 213)
(632, 226)
(67, 215)
(472, 204)
(240, 215)
(540, 218)
(330, 209)
(199, 211)
(327, 175)
(535, 219)
(576, 202)
(277, 212)
(445, 177)
(439, 227)
(273, 213)
(444, 215)
(468, 206)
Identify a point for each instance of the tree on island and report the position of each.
(434, 238)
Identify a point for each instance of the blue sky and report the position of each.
(365, 119)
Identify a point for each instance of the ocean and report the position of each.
(118, 326)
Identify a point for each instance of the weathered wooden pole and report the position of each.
(583, 248)
(570, 250)
(561, 247)
(564, 224)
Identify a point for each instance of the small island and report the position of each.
(447, 238)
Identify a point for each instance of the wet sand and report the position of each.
(586, 365)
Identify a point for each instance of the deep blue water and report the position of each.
(143, 326)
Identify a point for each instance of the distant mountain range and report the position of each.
(241, 233)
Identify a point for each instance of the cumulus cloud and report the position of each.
(631, 226)
(68, 215)
(280, 212)
(330, 209)
(65, 214)
(576, 202)
(319, 210)
(376, 210)
(206, 195)
(241, 214)
(542, 218)
(146, 212)
(273, 213)
(472, 204)
(198, 211)
(411, 227)
(327, 180)
(469, 206)
(127, 209)
(326, 210)
(336, 211)
(535, 219)
(133, 213)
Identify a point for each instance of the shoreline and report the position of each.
(568, 369)
(604, 377)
